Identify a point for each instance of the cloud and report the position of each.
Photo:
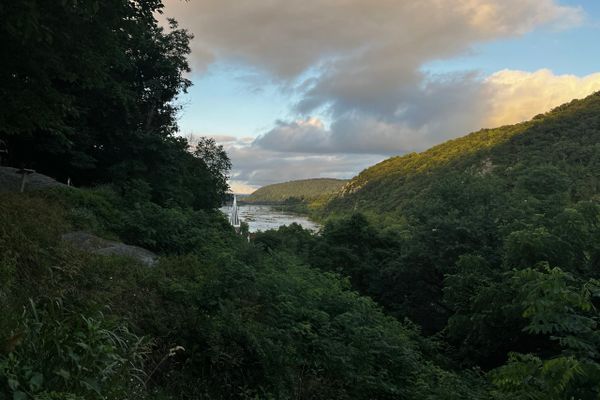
(308, 135)
(516, 96)
(348, 135)
(258, 167)
(254, 166)
(356, 68)
(444, 109)
(223, 138)
(241, 187)
(288, 38)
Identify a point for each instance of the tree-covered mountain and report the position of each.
(308, 191)
(556, 150)
(491, 242)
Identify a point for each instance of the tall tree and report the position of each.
(92, 88)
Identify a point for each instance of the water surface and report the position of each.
(262, 218)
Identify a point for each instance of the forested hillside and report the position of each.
(490, 241)
(560, 145)
(313, 192)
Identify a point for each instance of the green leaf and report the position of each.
(36, 381)
(63, 373)
(13, 383)
(18, 395)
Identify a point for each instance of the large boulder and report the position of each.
(10, 181)
(93, 244)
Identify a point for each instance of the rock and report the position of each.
(93, 244)
(10, 181)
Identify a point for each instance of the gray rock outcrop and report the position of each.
(10, 181)
(88, 242)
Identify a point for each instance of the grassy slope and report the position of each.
(568, 137)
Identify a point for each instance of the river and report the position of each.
(262, 217)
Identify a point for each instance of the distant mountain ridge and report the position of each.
(566, 138)
(300, 191)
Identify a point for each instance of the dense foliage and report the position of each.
(490, 242)
(90, 92)
(217, 318)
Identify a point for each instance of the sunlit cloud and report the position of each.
(238, 187)
(355, 68)
(387, 35)
(516, 96)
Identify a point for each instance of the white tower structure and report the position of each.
(234, 218)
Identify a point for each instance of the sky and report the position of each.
(325, 88)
